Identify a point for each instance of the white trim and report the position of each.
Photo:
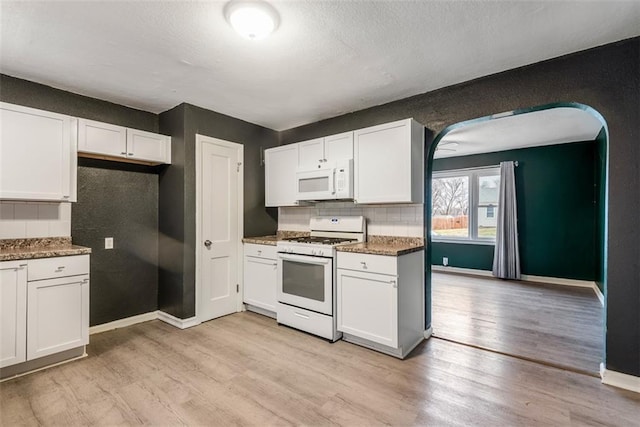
(620, 380)
(525, 277)
(121, 323)
(428, 332)
(200, 139)
(178, 323)
(460, 270)
(599, 294)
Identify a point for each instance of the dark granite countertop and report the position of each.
(19, 249)
(385, 245)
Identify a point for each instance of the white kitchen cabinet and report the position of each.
(311, 153)
(13, 308)
(381, 301)
(44, 307)
(280, 168)
(319, 152)
(388, 163)
(102, 138)
(111, 142)
(260, 278)
(37, 155)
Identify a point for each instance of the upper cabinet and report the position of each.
(388, 163)
(37, 155)
(111, 142)
(316, 153)
(280, 168)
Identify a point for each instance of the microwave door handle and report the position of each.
(333, 175)
(306, 259)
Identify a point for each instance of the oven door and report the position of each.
(306, 282)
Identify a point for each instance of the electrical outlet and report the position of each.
(445, 261)
(108, 242)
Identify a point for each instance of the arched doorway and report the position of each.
(566, 121)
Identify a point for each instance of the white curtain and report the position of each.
(506, 258)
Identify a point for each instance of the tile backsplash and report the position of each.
(19, 220)
(386, 220)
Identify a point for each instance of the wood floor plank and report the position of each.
(244, 369)
(561, 325)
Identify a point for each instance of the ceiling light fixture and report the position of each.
(252, 19)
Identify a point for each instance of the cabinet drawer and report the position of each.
(370, 263)
(306, 320)
(50, 268)
(260, 251)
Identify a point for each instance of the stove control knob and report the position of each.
(313, 251)
(320, 253)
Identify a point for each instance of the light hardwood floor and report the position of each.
(562, 325)
(244, 369)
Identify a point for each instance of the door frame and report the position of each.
(200, 140)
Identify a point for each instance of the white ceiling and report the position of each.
(545, 127)
(326, 58)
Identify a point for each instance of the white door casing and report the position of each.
(219, 227)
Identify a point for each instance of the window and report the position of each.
(464, 205)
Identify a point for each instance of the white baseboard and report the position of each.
(121, 323)
(620, 380)
(428, 332)
(178, 323)
(526, 277)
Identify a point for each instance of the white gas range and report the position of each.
(307, 274)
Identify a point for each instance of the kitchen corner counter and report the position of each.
(19, 249)
(385, 245)
(273, 239)
(261, 240)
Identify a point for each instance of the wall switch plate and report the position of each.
(108, 242)
(445, 261)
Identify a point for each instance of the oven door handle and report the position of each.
(305, 259)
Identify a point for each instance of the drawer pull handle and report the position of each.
(394, 283)
(364, 264)
(60, 268)
(304, 316)
(124, 153)
(131, 154)
(259, 252)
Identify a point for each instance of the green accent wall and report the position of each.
(600, 195)
(557, 213)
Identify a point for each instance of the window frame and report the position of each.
(473, 175)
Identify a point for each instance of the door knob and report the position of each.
(207, 243)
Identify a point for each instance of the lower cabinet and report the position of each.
(13, 307)
(381, 301)
(260, 278)
(45, 308)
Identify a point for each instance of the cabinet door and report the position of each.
(311, 153)
(338, 147)
(382, 163)
(368, 306)
(57, 315)
(13, 313)
(260, 280)
(148, 146)
(37, 154)
(280, 168)
(102, 138)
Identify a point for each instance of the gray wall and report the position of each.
(605, 78)
(114, 200)
(177, 196)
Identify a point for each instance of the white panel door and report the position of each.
(280, 168)
(338, 147)
(13, 313)
(102, 138)
(148, 146)
(57, 315)
(220, 198)
(260, 281)
(37, 154)
(368, 306)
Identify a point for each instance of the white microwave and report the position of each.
(328, 182)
